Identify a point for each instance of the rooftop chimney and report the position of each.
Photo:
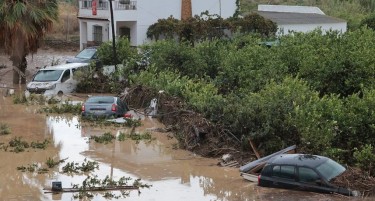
(186, 12)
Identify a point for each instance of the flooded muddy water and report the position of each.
(174, 174)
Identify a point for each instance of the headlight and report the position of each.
(51, 86)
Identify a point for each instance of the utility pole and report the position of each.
(113, 35)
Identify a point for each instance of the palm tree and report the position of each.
(23, 23)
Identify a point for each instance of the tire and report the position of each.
(60, 94)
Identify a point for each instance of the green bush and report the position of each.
(123, 49)
(365, 158)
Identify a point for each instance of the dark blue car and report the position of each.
(303, 172)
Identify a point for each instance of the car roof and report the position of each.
(306, 160)
(65, 66)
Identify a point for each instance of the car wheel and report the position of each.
(60, 93)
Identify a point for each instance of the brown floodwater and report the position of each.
(174, 174)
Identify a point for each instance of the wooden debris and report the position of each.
(254, 149)
(250, 177)
(229, 164)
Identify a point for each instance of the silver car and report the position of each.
(104, 106)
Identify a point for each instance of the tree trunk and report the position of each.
(19, 73)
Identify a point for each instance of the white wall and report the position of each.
(149, 11)
(285, 29)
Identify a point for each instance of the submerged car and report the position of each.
(303, 172)
(104, 106)
(87, 55)
(56, 80)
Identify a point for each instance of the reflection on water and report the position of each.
(173, 174)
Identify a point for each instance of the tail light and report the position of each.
(114, 107)
(128, 115)
(258, 180)
(83, 108)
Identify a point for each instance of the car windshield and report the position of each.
(330, 169)
(47, 75)
(86, 54)
(100, 100)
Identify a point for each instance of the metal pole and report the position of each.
(113, 35)
(220, 7)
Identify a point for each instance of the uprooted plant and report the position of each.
(35, 167)
(94, 183)
(4, 129)
(86, 166)
(20, 145)
(52, 163)
(65, 107)
(105, 138)
(135, 136)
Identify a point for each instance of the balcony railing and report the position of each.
(104, 5)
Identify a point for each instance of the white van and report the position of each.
(55, 80)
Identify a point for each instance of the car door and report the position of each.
(67, 85)
(284, 176)
(310, 180)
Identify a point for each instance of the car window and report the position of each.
(47, 75)
(99, 100)
(65, 76)
(307, 175)
(87, 54)
(330, 169)
(283, 171)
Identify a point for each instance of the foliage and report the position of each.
(65, 107)
(105, 138)
(135, 136)
(39, 145)
(86, 166)
(369, 22)
(95, 182)
(315, 90)
(51, 163)
(32, 168)
(20, 145)
(123, 49)
(208, 27)
(4, 129)
(22, 25)
(365, 157)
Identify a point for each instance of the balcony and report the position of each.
(104, 5)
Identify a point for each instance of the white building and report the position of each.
(133, 17)
(300, 19)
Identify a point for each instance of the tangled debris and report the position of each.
(193, 131)
(356, 179)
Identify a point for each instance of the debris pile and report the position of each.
(356, 179)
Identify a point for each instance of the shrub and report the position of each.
(365, 158)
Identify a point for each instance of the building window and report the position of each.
(98, 34)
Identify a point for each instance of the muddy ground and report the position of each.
(174, 173)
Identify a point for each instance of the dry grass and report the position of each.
(67, 25)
